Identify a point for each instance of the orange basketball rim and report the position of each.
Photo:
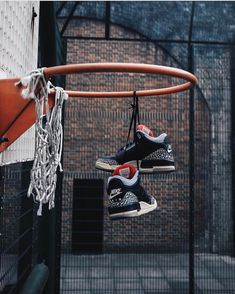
(17, 115)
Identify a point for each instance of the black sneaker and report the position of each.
(154, 154)
(126, 196)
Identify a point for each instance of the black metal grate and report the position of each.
(18, 228)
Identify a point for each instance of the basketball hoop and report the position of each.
(17, 115)
(124, 68)
(13, 110)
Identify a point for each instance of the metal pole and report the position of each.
(233, 138)
(51, 53)
(107, 20)
(1, 209)
(191, 160)
(191, 184)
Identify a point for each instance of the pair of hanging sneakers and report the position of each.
(152, 155)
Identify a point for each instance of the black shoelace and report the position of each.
(133, 123)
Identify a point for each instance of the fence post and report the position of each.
(50, 54)
(1, 209)
(191, 160)
(233, 138)
(191, 187)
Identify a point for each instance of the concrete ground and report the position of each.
(146, 274)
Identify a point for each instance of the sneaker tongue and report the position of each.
(145, 129)
(125, 170)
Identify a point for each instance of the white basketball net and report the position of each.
(48, 138)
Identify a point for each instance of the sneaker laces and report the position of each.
(135, 116)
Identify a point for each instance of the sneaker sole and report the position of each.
(158, 169)
(145, 208)
(155, 169)
(126, 214)
(107, 167)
